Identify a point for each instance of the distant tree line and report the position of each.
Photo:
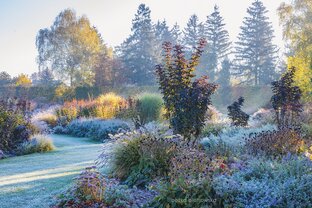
(74, 51)
(254, 56)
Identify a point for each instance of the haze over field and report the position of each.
(21, 20)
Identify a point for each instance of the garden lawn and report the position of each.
(34, 180)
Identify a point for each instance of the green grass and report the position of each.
(34, 180)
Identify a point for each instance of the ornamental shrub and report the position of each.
(142, 155)
(14, 128)
(286, 100)
(238, 117)
(186, 100)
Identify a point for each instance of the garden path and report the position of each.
(32, 181)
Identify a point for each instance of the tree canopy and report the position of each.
(70, 47)
(296, 19)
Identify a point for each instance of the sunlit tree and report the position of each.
(22, 80)
(296, 19)
(70, 48)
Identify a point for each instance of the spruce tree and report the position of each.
(162, 35)
(138, 51)
(176, 34)
(224, 80)
(193, 32)
(219, 45)
(256, 56)
(224, 77)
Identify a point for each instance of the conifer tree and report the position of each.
(162, 35)
(138, 51)
(224, 77)
(176, 34)
(224, 80)
(256, 56)
(193, 32)
(219, 45)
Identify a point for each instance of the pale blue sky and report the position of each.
(20, 20)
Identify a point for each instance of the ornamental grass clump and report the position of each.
(142, 156)
(142, 109)
(108, 105)
(105, 107)
(149, 107)
(37, 143)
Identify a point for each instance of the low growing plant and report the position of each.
(96, 129)
(211, 129)
(268, 183)
(181, 194)
(235, 136)
(37, 143)
(88, 191)
(117, 196)
(275, 143)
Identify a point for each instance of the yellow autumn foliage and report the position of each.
(303, 75)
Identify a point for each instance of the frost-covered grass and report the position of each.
(96, 129)
(235, 136)
(33, 180)
(268, 183)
